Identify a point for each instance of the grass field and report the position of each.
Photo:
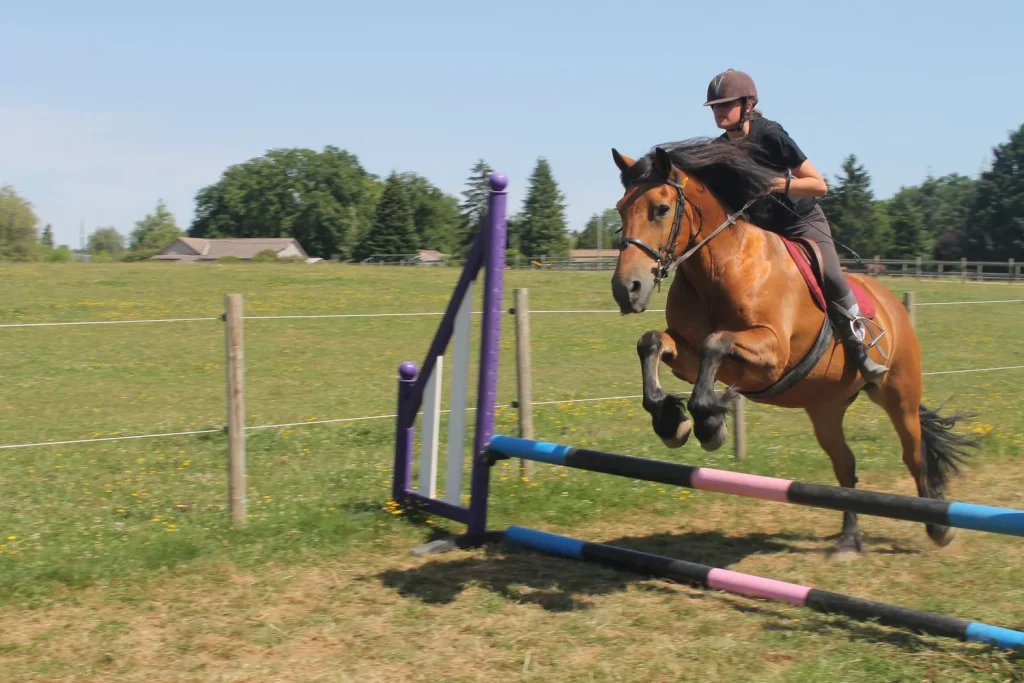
(117, 561)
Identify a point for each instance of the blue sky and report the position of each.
(107, 106)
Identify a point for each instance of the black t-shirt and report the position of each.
(775, 149)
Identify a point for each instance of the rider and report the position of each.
(796, 212)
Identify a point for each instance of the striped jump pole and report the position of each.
(926, 510)
(759, 587)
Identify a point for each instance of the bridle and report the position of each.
(662, 256)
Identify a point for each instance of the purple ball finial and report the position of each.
(499, 181)
(407, 370)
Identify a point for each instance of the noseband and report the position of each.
(662, 257)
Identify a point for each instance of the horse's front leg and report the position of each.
(667, 413)
(756, 349)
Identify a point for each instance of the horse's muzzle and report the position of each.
(632, 294)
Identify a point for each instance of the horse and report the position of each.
(744, 307)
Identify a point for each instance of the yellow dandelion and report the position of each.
(12, 538)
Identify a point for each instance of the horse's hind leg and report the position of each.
(667, 413)
(902, 403)
(828, 429)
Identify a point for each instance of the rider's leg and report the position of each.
(839, 295)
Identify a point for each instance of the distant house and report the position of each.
(594, 254)
(430, 256)
(198, 249)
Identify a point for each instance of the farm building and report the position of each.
(198, 249)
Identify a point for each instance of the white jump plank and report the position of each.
(431, 431)
(459, 400)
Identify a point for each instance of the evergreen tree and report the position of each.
(909, 237)
(47, 239)
(609, 223)
(393, 230)
(852, 213)
(513, 230)
(473, 207)
(997, 210)
(543, 230)
(435, 214)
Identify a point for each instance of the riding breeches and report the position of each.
(815, 227)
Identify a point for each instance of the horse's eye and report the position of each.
(662, 210)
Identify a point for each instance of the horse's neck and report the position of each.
(715, 260)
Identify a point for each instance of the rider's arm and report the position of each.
(805, 180)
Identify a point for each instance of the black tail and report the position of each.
(942, 448)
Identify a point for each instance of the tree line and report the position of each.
(336, 209)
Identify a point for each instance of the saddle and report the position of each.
(807, 257)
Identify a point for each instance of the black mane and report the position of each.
(728, 169)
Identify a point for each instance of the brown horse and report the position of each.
(739, 311)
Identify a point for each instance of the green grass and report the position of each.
(124, 533)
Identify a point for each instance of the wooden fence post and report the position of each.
(963, 269)
(524, 381)
(908, 303)
(236, 407)
(739, 427)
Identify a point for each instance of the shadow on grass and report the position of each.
(562, 585)
(840, 626)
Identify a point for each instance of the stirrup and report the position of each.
(854, 319)
(875, 338)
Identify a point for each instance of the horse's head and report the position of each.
(653, 211)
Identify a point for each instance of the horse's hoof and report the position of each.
(717, 439)
(941, 535)
(681, 437)
(849, 547)
(843, 555)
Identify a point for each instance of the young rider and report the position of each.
(795, 211)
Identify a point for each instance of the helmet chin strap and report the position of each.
(743, 117)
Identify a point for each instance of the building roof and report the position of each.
(241, 247)
(199, 245)
(607, 252)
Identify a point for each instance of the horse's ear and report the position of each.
(662, 162)
(623, 162)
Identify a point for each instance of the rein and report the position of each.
(661, 257)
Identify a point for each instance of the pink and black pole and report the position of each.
(487, 254)
(926, 510)
(760, 587)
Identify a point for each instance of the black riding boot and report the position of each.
(844, 321)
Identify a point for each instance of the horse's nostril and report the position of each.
(635, 287)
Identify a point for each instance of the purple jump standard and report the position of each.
(770, 589)
(488, 254)
(925, 510)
